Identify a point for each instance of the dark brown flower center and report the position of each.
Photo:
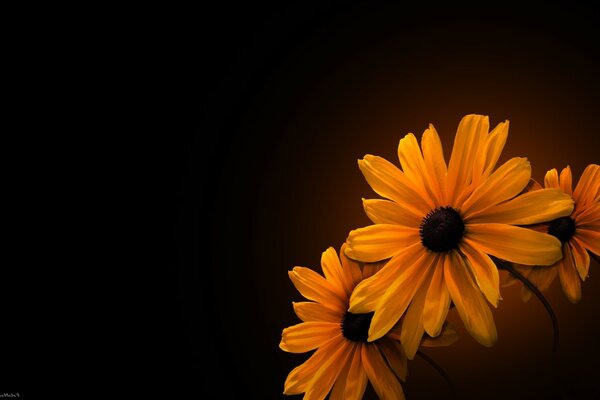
(355, 327)
(442, 229)
(562, 228)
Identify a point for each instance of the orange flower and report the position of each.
(439, 226)
(578, 233)
(344, 361)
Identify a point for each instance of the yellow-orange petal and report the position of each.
(589, 239)
(412, 324)
(356, 382)
(566, 180)
(351, 269)
(378, 242)
(589, 214)
(310, 311)
(332, 269)
(529, 208)
(581, 258)
(470, 304)
(411, 159)
(298, 379)
(339, 387)
(489, 151)
(588, 187)
(484, 270)
(389, 182)
(387, 212)
(435, 165)
(437, 302)
(504, 184)
(328, 372)
(569, 278)
(307, 336)
(314, 287)
(551, 179)
(397, 297)
(384, 382)
(494, 146)
(514, 244)
(472, 129)
(369, 292)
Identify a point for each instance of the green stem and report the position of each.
(440, 371)
(508, 267)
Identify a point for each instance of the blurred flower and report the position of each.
(343, 360)
(439, 226)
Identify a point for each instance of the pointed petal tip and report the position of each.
(433, 332)
(374, 334)
(408, 136)
(288, 392)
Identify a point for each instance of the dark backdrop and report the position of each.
(280, 103)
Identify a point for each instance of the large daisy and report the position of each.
(344, 360)
(578, 233)
(440, 225)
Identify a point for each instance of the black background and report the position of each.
(272, 104)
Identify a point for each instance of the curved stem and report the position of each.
(440, 371)
(508, 267)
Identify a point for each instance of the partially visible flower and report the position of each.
(344, 361)
(578, 233)
(440, 225)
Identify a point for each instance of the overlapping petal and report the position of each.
(383, 380)
(569, 278)
(515, 244)
(484, 271)
(412, 325)
(368, 293)
(435, 164)
(588, 187)
(527, 209)
(314, 287)
(388, 212)
(389, 182)
(325, 377)
(470, 304)
(307, 336)
(397, 297)
(297, 381)
(437, 302)
(310, 311)
(472, 130)
(505, 183)
(378, 242)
